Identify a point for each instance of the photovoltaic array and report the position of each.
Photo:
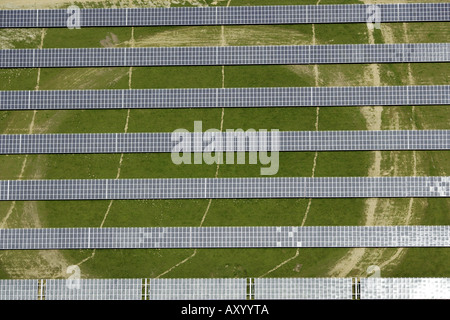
(405, 288)
(225, 237)
(225, 97)
(303, 288)
(225, 188)
(18, 289)
(226, 289)
(93, 289)
(198, 289)
(238, 141)
(225, 55)
(401, 12)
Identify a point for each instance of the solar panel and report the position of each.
(303, 288)
(405, 288)
(197, 289)
(94, 289)
(226, 141)
(403, 12)
(226, 237)
(225, 188)
(228, 55)
(18, 289)
(227, 289)
(226, 97)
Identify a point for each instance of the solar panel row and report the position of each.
(226, 289)
(93, 289)
(402, 12)
(228, 55)
(198, 289)
(18, 289)
(303, 288)
(225, 141)
(227, 97)
(405, 288)
(223, 188)
(225, 237)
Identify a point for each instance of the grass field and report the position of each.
(415, 262)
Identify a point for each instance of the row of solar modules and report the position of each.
(401, 12)
(225, 237)
(226, 188)
(225, 97)
(228, 55)
(226, 289)
(341, 288)
(236, 141)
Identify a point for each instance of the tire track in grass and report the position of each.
(411, 81)
(397, 217)
(108, 209)
(305, 215)
(35, 262)
(30, 130)
(223, 43)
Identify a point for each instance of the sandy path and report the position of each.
(409, 215)
(313, 170)
(380, 211)
(373, 116)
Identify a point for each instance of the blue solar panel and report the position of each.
(296, 14)
(226, 237)
(235, 141)
(226, 97)
(228, 55)
(94, 289)
(207, 188)
(404, 288)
